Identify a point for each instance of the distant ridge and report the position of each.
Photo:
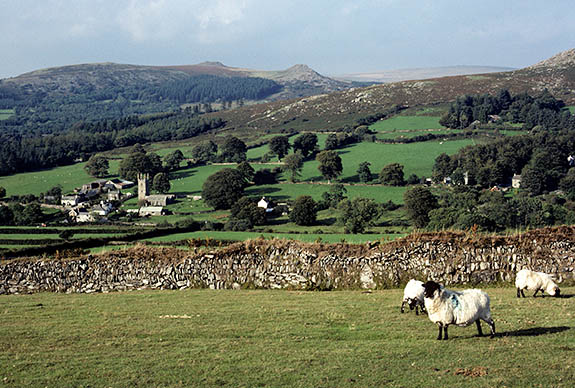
(398, 75)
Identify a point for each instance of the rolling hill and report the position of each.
(557, 74)
(297, 81)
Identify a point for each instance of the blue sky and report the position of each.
(331, 36)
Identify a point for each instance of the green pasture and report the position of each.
(264, 338)
(69, 177)
(395, 134)
(6, 113)
(417, 158)
(407, 122)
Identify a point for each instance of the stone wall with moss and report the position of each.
(450, 258)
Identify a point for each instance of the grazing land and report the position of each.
(276, 338)
(408, 123)
(6, 113)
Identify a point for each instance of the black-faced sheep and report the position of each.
(446, 307)
(535, 281)
(413, 296)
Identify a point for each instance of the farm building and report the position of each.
(119, 184)
(151, 211)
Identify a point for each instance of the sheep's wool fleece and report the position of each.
(534, 281)
(413, 290)
(458, 308)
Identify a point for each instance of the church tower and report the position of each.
(143, 187)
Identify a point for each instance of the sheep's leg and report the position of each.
(518, 293)
(445, 332)
(403, 307)
(440, 331)
(491, 324)
(480, 333)
(416, 309)
(536, 291)
(522, 293)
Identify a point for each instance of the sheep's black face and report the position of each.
(430, 288)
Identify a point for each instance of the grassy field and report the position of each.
(204, 338)
(407, 122)
(6, 113)
(69, 177)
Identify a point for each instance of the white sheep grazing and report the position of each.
(446, 307)
(538, 281)
(413, 296)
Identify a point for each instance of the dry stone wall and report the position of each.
(448, 257)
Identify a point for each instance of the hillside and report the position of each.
(297, 81)
(556, 74)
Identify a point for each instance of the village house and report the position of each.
(70, 200)
(81, 214)
(102, 209)
(266, 205)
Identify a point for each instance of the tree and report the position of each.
(306, 144)
(280, 146)
(331, 142)
(329, 164)
(233, 150)
(138, 162)
(419, 201)
(247, 170)
(364, 172)
(161, 183)
(223, 188)
(442, 167)
(392, 175)
(172, 160)
(66, 234)
(304, 211)
(567, 184)
(356, 215)
(333, 196)
(97, 166)
(265, 176)
(247, 209)
(293, 163)
(205, 152)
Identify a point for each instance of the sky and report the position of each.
(331, 36)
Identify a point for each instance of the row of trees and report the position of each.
(543, 110)
(464, 207)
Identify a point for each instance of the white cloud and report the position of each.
(163, 20)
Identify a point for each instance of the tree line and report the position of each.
(19, 153)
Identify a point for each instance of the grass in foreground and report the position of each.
(276, 338)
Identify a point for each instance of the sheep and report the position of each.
(537, 281)
(413, 296)
(446, 307)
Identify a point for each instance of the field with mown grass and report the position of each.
(257, 338)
